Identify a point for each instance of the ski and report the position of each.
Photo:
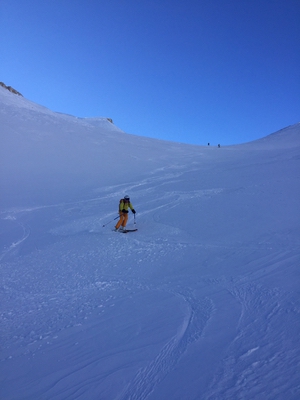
(125, 230)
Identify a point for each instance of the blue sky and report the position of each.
(193, 71)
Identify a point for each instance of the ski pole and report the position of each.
(110, 221)
(134, 219)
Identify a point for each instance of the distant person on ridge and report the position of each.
(124, 205)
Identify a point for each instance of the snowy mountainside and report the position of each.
(202, 302)
(71, 153)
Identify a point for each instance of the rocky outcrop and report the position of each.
(12, 90)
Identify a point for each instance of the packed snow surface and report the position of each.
(202, 302)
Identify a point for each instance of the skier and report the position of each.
(124, 205)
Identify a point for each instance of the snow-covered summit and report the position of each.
(288, 137)
(202, 302)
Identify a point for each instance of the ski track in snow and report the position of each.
(262, 349)
(15, 244)
(149, 377)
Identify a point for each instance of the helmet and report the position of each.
(126, 197)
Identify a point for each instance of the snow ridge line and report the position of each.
(146, 379)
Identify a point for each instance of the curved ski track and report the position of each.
(146, 379)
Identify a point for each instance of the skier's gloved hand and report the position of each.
(133, 211)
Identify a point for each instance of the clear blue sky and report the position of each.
(194, 71)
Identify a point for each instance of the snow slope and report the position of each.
(201, 303)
